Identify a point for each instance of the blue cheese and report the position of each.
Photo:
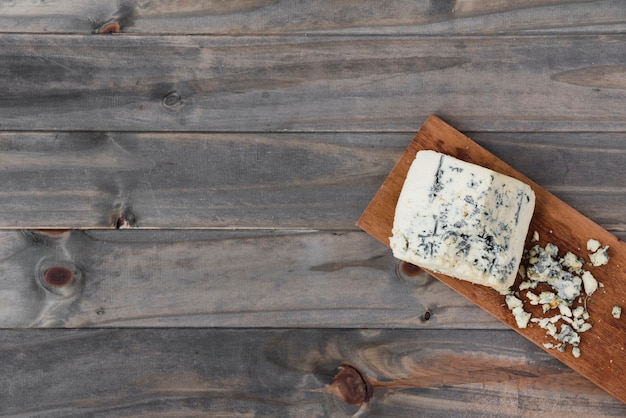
(593, 245)
(572, 262)
(567, 279)
(589, 283)
(516, 307)
(462, 220)
(600, 257)
(616, 312)
(545, 268)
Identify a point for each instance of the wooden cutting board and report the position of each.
(603, 347)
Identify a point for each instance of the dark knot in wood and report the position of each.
(351, 385)
(122, 223)
(173, 100)
(52, 233)
(61, 278)
(109, 27)
(58, 276)
(410, 269)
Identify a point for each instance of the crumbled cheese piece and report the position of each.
(616, 312)
(521, 317)
(535, 237)
(516, 307)
(589, 283)
(600, 257)
(565, 310)
(567, 279)
(548, 298)
(593, 245)
(578, 312)
(571, 262)
(462, 220)
(533, 298)
(568, 335)
(528, 284)
(512, 302)
(552, 249)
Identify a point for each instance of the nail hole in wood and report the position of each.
(426, 315)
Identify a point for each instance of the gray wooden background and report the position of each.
(240, 141)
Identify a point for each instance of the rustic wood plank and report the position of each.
(184, 372)
(324, 16)
(218, 278)
(557, 223)
(81, 180)
(314, 83)
(287, 180)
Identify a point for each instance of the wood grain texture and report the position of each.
(83, 180)
(604, 361)
(311, 83)
(238, 180)
(221, 278)
(136, 278)
(262, 17)
(184, 372)
(241, 139)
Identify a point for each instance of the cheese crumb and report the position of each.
(571, 262)
(600, 257)
(515, 306)
(589, 283)
(593, 245)
(616, 312)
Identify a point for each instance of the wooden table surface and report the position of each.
(178, 201)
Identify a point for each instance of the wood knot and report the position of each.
(410, 269)
(123, 223)
(109, 27)
(61, 278)
(52, 233)
(351, 385)
(58, 276)
(173, 101)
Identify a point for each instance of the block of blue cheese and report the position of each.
(462, 220)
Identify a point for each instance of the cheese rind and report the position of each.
(462, 220)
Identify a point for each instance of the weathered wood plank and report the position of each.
(314, 83)
(218, 278)
(183, 372)
(323, 16)
(190, 278)
(191, 180)
(288, 180)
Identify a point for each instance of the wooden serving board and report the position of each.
(603, 347)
